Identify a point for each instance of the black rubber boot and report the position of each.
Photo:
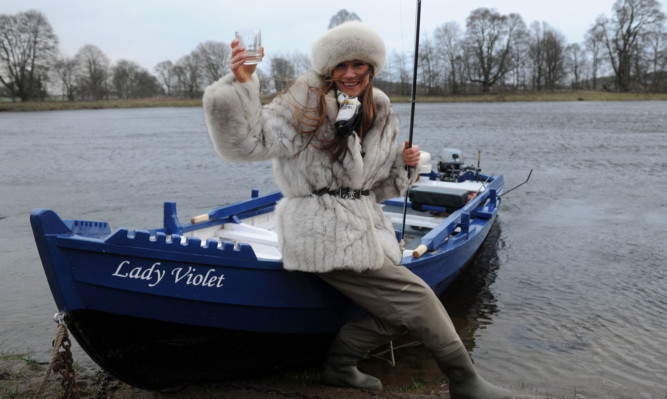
(341, 369)
(464, 383)
(343, 372)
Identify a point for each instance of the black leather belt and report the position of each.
(342, 192)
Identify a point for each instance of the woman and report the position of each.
(333, 141)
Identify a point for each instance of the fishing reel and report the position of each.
(451, 167)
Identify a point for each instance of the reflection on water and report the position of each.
(568, 294)
(470, 301)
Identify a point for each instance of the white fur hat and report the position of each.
(348, 41)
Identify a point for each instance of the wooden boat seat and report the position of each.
(411, 219)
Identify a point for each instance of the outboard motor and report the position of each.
(450, 167)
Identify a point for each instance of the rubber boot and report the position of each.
(341, 369)
(464, 383)
(346, 374)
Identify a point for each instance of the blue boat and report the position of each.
(208, 299)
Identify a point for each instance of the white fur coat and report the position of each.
(316, 233)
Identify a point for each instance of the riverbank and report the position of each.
(21, 378)
(8, 106)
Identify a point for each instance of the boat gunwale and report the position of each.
(155, 243)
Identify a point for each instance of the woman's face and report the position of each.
(351, 77)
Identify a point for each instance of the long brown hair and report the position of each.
(309, 119)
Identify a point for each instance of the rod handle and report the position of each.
(421, 250)
(199, 218)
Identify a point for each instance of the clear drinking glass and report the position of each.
(251, 39)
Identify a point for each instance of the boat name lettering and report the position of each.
(183, 275)
(197, 279)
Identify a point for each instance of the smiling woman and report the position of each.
(333, 140)
(352, 77)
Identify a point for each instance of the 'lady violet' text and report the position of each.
(154, 274)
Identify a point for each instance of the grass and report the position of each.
(51, 105)
(566, 95)
(17, 357)
(416, 386)
(10, 393)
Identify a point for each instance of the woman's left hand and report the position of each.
(411, 154)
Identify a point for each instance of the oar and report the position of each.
(412, 105)
(235, 209)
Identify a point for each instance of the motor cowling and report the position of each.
(451, 164)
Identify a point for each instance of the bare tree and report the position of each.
(536, 55)
(547, 55)
(404, 74)
(286, 67)
(594, 44)
(212, 59)
(574, 62)
(487, 47)
(66, 69)
(342, 16)
(264, 82)
(429, 61)
(146, 85)
(283, 73)
(27, 48)
(301, 62)
(656, 50)
(94, 67)
(187, 76)
(385, 79)
(518, 48)
(130, 80)
(166, 76)
(630, 19)
(123, 78)
(554, 58)
(449, 40)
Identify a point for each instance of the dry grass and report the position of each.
(101, 104)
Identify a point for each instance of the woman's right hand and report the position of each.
(242, 72)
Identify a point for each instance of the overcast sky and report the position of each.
(151, 31)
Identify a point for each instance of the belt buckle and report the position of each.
(344, 193)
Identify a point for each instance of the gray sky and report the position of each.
(151, 31)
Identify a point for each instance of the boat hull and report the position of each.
(154, 354)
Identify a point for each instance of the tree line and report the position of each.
(625, 51)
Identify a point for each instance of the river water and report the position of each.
(568, 296)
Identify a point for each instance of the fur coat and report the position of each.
(316, 233)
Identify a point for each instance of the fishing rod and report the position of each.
(412, 105)
(518, 185)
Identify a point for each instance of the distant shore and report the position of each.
(58, 105)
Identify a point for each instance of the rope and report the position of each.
(61, 362)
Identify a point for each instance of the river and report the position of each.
(571, 295)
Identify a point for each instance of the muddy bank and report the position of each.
(412, 378)
(22, 379)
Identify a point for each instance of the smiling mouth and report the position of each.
(350, 84)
